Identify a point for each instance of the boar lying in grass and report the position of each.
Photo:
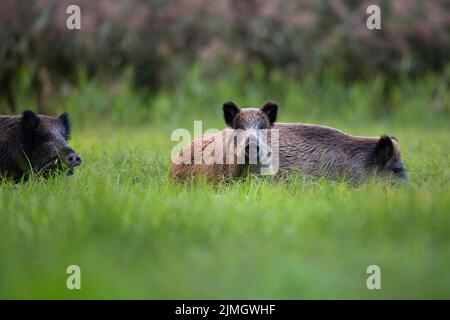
(230, 153)
(311, 150)
(322, 151)
(35, 143)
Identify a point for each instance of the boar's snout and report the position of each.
(73, 159)
(400, 172)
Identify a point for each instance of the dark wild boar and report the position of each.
(35, 143)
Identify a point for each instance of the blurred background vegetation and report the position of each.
(167, 61)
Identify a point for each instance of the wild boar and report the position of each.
(233, 152)
(35, 143)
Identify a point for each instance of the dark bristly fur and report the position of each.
(35, 143)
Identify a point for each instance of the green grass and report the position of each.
(135, 234)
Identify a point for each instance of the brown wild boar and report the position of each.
(218, 149)
(322, 151)
(35, 143)
(309, 149)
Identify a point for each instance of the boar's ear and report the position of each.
(30, 120)
(384, 150)
(230, 110)
(271, 110)
(64, 118)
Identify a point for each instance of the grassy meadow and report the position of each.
(135, 234)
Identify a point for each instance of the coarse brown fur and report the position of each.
(35, 143)
(185, 168)
(313, 150)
